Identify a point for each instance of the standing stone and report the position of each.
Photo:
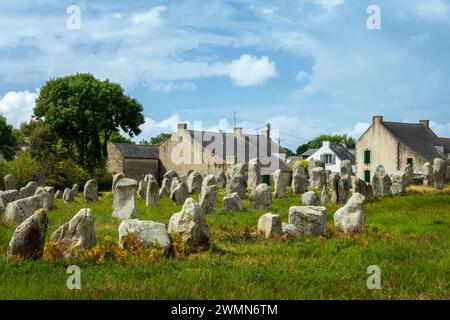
(75, 189)
(28, 239)
(149, 233)
(221, 178)
(142, 188)
(48, 193)
(116, 178)
(78, 233)
(351, 217)
(165, 188)
(359, 186)
(439, 173)
(208, 198)
(399, 183)
(39, 179)
(325, 197)
(317, 178)
(314, 163)
(180, 193)
(291, 230)
(28, 190)
(68, 195)
(58, 194)
(170, 175)
(91, 190)
(381, 183)
(254, 174)
(209, 180)
(428, 174)
(409, 174)
(190, 223)
(8, 196)
(310, 198)
(20, 210)
(343, 190)
(124, 200)
(236, 183)
(10, 182)
(232, 202)
(269, 225)
(194, 182)
(345, 172)
(309, 220)
(260, 197)
(175, 182)
(280, 184)
(2, 209)
(333, 181)
(152, 194)
(149, 177)
(299, 179)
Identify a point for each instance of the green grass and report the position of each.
(407, 237)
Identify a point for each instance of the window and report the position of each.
(366, 156)
(328, 158)
(409, 161)
(367, 176)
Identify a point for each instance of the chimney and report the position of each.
(266, 131)
(238, 131)
(326, 144)
(182, 126)
(425, 122)
(344, 144)
(377, 119)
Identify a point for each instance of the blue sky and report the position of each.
(307, 66)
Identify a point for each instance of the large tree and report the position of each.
(85, 112)
(8, 139)
(317, 142)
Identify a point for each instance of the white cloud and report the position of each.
(356, 131)
(432, 10)
(17, 106)
(152, 17)
(329, 4)
(249, 70)
(167, 87)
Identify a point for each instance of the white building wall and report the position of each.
(325, 149)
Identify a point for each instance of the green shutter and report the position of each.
(367, 176)
(409, 161)
(366, 156)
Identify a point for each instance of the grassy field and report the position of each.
(407, 237)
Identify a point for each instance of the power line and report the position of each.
(293, 136)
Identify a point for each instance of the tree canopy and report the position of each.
(84, 113)
(317, 142)
(8, 139)
(160, 139)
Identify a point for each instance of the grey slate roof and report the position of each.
(138, 151)
(309, 152)
(343, 153)
(417, 137)
(446, 143)
(252, 143)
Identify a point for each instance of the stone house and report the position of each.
(208, 152)
(395, 145)
(332, 155)
(133, 160)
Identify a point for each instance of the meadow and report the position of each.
(407, 237)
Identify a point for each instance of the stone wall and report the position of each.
(138, 168)
(115, 160)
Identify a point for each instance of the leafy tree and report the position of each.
(84, 113)
(317, 142)
(8, 139)
(160, 139)
(118, 138)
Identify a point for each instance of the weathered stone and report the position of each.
(75, 189)
(299, 179)
(175, 182)
(359, 186)
(190, 223)
(149, 177)
(345, 172)
(209, 180)
(325, 197)
(280, 184)
(8, 196)
(439, 173)
(180, 193)
(91, 190)
(124, 200)
(10, 182)
(28, 239)
(78, 233)
(399, 183)
(260, 197)
(291, 230)
(428, 174)
(309, 220)
(269, 225)
(317, 178)
(194, 182)
(150, 233)
(343, 190)
(208, 198)
(58, 194)
(237, 169)
(254, 174)
(2, 210)
(351, 217)
(20, 210)
(152, 194)
(142, 188)
(39, 179)
(221, 178)
(164, 191)
(170, 175)
(48, 194)
(68, 195)
(314, 163)
(116, 178)
(237, 183)
(409, 174)
(232, 202)
(28, 190)
(310, 198)
(333, 182)
(381, 183)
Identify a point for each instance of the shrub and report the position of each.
(23, 167)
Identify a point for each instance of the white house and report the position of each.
(332, 155)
